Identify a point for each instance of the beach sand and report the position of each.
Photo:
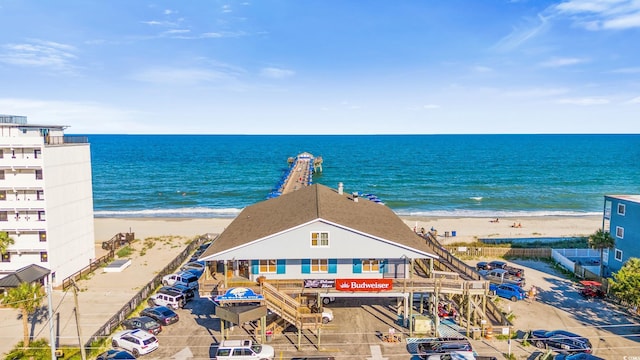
(466, 229)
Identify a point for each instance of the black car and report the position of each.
(161, 314)
(577, 356)
(187, 292)
(115, 354)
(143, 322)
(560, 341)
(483, 265)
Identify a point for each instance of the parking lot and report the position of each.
(359, 325)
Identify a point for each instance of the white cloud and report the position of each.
(431, 106)
(559, 62)
(601, 14)
(632, 70)
(40, 53)
(276, 73)
(535, 92)
(226, 9)
(635, 100)
(521, 35)
(583, 101)
(482, 69)
(168, 12)
(180, 76)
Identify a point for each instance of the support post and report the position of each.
(299, 335)
(52, 333)
(83, 353)
(263, 325)
(222, 329)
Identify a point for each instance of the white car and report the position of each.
(327, 315)
(244, 350)
(456, 355)
(138, 342)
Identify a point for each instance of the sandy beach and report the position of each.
(466, 229)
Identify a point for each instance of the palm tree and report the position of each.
(5, 242)
(27, 297)
(601, 240)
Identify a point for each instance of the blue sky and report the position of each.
(324, 67)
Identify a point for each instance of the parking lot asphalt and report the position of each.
(359, 325)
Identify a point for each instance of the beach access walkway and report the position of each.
(101, 295)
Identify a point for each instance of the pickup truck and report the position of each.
(483, 265)
(501, 276)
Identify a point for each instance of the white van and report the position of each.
(244, 350)
(182, 278)
(171, 299)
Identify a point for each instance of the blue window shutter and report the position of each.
(280, 266)
(357, 266)
(306, 266)
(254, 267)
(382, 266)
(333, 266)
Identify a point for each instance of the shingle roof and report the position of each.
(28, 274)
(310, 203)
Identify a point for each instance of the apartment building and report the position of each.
(622, 220)
(46, 199)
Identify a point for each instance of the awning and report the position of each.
(28, 274)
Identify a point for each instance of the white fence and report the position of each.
(561, 256)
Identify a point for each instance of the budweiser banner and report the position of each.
(372, 285)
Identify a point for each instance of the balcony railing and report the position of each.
(61, 140)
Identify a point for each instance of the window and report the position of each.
(41, 216)
(621, 209)
(40, 194)
(6, 257)
(319, 265)
(42, 235)
(268, 266)
(620, 232)
(3, 194)
(3, 216)
(319, 239)
(39, 174)
(37, 153)
(618, 255)
(370, 265)
(44, 257)
(1, 174)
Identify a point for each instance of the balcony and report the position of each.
(63, 140)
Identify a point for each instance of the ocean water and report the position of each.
(421, 175)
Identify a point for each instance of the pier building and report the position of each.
(46, 198)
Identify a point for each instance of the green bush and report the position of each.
(124, 252)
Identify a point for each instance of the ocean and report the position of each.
(415, 175)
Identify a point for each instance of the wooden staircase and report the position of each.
(289, 309)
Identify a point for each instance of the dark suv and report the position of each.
(560, 341)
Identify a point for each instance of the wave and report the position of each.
(495, 214)
(179, 212)
(476, 198)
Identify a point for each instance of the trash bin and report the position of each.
(476, 334)
(446, 234)
(453, 233)
(269, 335)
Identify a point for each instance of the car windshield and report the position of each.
(149, 325)
(256, 348)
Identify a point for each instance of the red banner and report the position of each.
(371, 285)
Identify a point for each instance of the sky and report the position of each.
(323, 67)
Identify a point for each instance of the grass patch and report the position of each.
(125, 251)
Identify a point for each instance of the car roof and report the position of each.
(140, 334)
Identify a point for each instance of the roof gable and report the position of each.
(310, 203)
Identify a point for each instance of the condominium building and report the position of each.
(46, 199)
(622, 220)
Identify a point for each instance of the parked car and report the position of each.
(171, 299)
(496, 264)
(197, 268)
(243, 350)
(444, 346)
(456, 355)
(508, 291)
(577, 356)
(115, 354)
(182, 278)
(143, 322)
(161, 314)
(188, 293)
(560, 340)
(138, 342)
(200, 250)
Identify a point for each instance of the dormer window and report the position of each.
(319, 239)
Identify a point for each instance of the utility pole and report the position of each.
(83, 353)
(52, 333)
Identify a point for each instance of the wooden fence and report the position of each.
(95, 265)
(498, 252)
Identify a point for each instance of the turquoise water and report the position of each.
(423, 175)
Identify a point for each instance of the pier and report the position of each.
(299, 174)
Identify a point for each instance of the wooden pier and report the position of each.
(298, 175)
